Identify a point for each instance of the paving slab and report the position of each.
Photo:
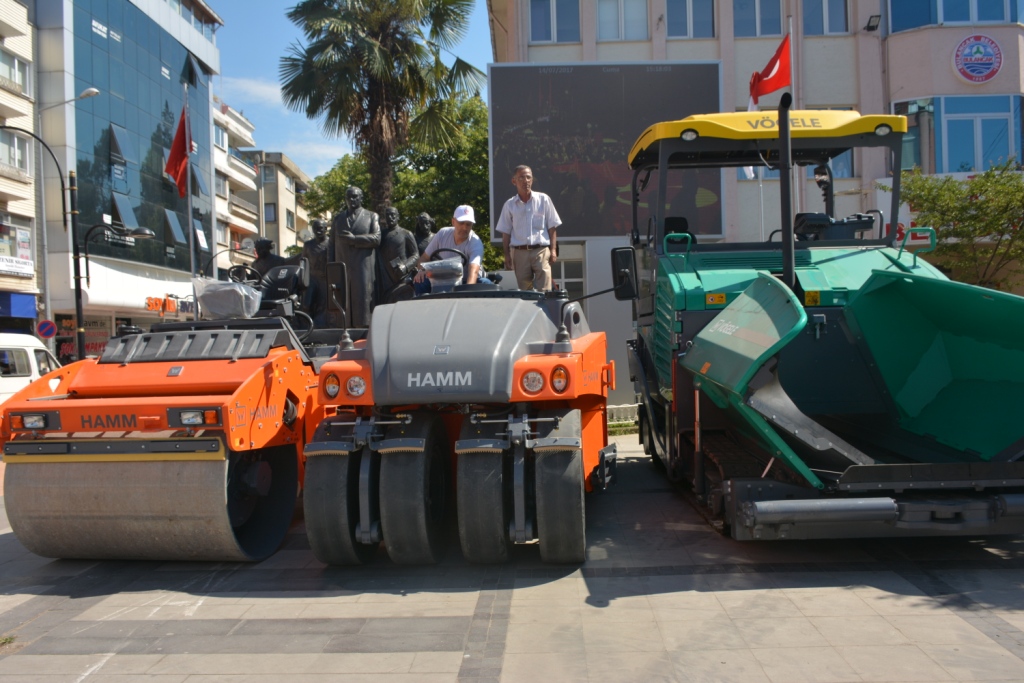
(662, 597)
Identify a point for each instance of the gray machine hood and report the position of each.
(451, 350)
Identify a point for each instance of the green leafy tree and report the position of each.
(978, 222)
(434, 181)
(369, 65)
(326, 194)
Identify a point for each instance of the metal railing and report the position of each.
(11, 86)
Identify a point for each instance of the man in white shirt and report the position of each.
(459, 237)
(528, 225)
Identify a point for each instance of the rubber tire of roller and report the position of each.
(483, 507)
(331, 508)
(411, 519)
(561, 516)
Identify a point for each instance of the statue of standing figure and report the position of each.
(397, 255)
(316, 252)
(424, 231)
(355, 236)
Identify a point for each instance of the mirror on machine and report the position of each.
(624, 272)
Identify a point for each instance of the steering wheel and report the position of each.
(465, 261)
(244, 274)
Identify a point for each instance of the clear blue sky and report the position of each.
(252, 41)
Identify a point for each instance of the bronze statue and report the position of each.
(355, 236)
(265, 256)
(397, 255)
(315, 251)
(424, 231)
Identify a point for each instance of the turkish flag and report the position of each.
(177, 160)
(774, 76)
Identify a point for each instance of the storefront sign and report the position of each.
(977, 59)
(16, 252)
(166, 304)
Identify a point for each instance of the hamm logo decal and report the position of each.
(114, 421)
(440, 379)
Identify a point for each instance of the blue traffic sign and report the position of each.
(46, 329)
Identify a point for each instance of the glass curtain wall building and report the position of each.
(143, 56)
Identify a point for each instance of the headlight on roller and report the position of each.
(559, 379)
(332, 385)
(533, 382)
(356, 386)
(34, 421)
(191, 418)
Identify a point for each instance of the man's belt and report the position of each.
(531, 247)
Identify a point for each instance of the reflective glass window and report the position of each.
(757, 18)
(908, 14)
(14, 150)
(174, 226)
(682, 14)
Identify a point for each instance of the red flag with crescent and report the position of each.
(774, 76)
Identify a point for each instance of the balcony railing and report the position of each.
(238, 202)
(11, 86)
(248, 163)
(14, 173)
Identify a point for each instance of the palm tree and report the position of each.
(372, 69)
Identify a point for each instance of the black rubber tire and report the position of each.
(330, 505)
(484, 505)
(645, 433)
(561, 515)
(414, 493)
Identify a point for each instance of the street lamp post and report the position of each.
(85, 94)
(138, 233)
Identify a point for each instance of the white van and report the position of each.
(23, 360)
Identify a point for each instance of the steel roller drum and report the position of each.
(147, 510)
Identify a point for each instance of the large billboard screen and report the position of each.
(574, 125)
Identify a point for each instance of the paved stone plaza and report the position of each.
(661, 598)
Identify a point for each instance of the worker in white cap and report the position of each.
(459, 237)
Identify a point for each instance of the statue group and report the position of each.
(378, 257)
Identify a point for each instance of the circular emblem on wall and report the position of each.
(977, 59)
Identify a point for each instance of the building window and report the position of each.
(289, 182)
(919, 142)
(753, 18)
(269, 173)
(691, 19)
(622, 19)
(978, 132)
(908, 14)
(16, 72)
(973, 11)
(223, 233)
(567, 271)
(289, 219)
(14, 151)
(555, 21)
(270, 213)
(221, 184)
(823, 17)
(220, 137)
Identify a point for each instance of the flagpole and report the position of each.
(798, 184)
(188, 193)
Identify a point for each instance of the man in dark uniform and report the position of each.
(315, 251)
(265, 256)
(355, 236)
(397, 255)
(424, 231)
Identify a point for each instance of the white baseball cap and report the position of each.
(464, 213)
